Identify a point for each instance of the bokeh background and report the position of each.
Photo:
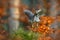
(13, 19)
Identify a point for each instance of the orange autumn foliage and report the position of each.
(43, 29)
(1, 11)
(44, 25)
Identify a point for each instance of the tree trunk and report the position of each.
(14, 15)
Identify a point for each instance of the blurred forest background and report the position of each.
(13, 18)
